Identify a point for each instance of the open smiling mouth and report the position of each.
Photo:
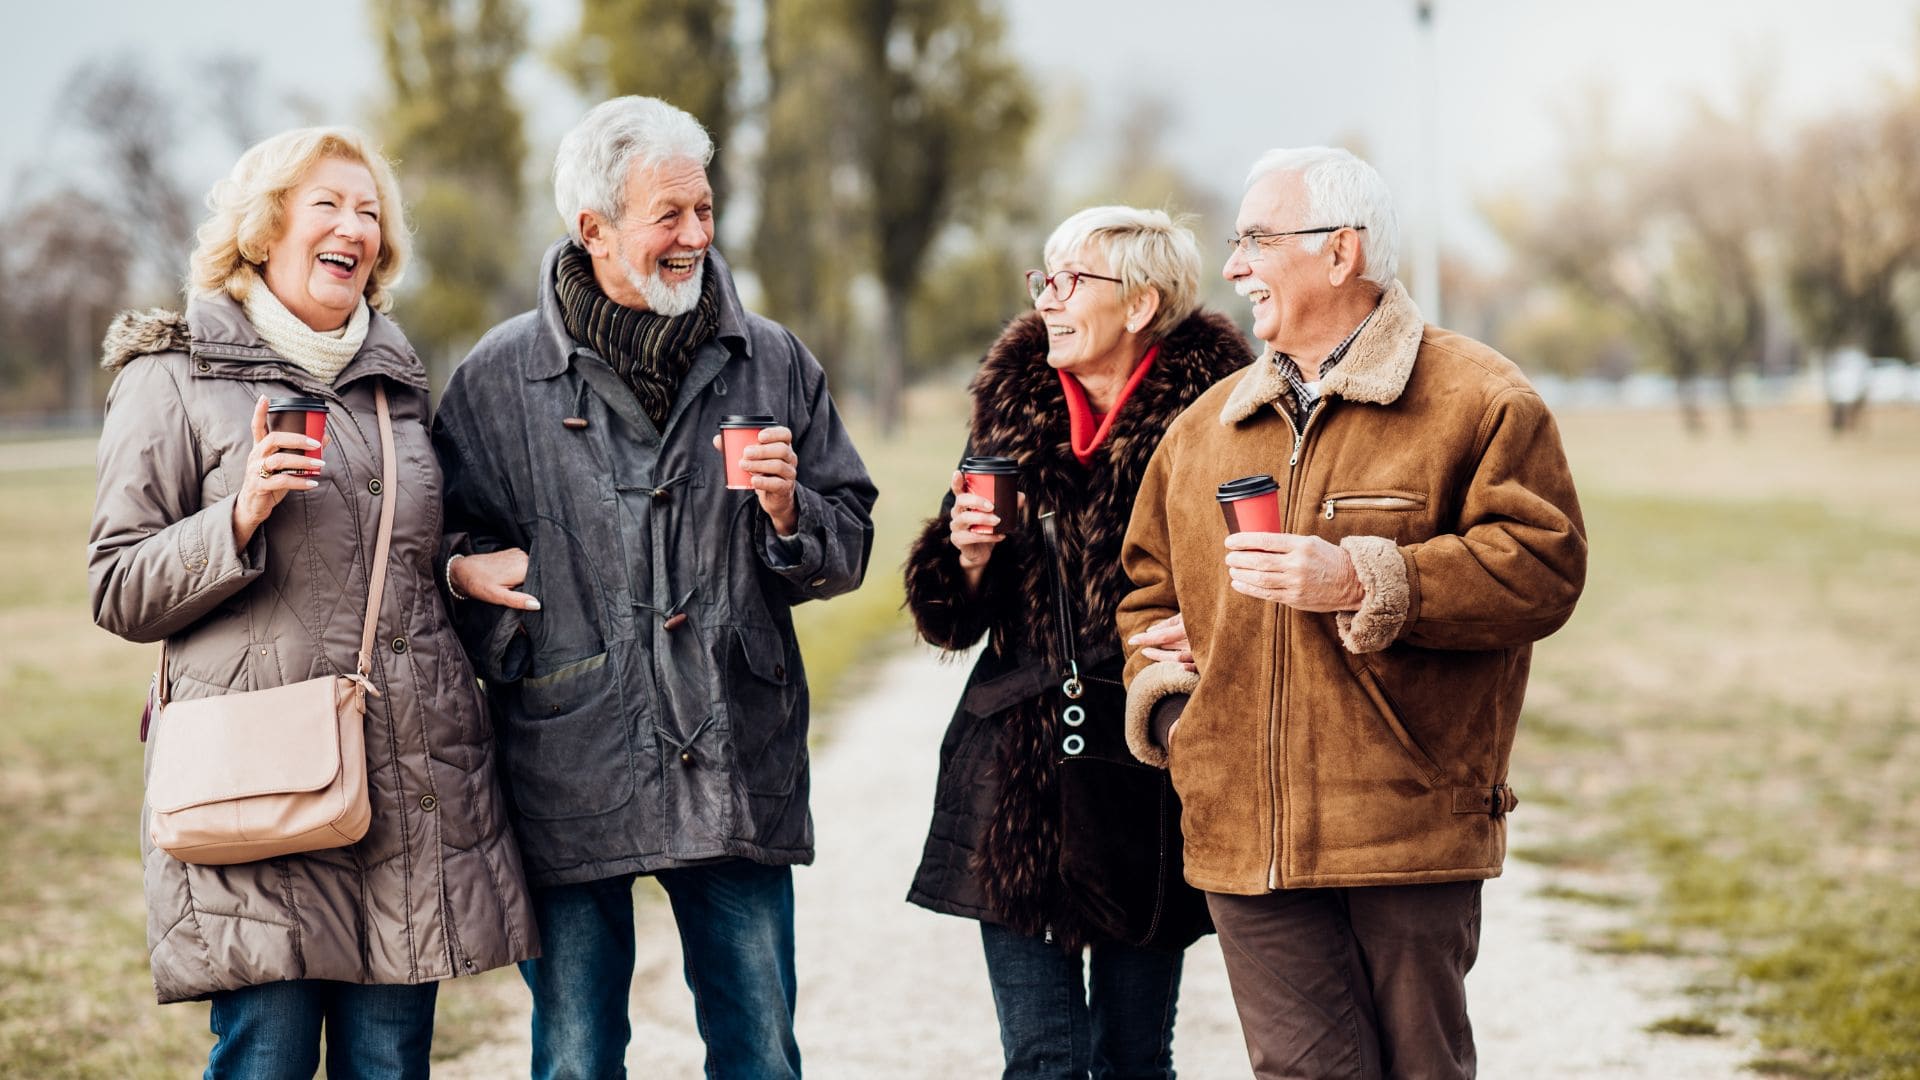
(680, 264)
(342, 263)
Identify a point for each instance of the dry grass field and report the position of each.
(1724, 743)
(1729, 729)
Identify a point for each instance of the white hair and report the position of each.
(1145, 249)
(1342, 190)
(590, 168)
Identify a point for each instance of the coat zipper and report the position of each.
(1368, 502)
(1300, 433)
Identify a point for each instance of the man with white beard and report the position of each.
(628, 605)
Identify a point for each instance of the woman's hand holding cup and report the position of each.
(277, 464)
(971, 511)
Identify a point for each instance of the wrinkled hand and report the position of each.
(1166, 640)
(1303, 572)
(491, 577)
(270, 455)
(772, 467)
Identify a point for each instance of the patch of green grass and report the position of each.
(1586, 896)
(1732, 713)
(1635, 942)
(1692, 1025)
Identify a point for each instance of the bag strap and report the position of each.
(1063, 608)
(377, 578)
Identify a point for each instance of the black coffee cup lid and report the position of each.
(992, 466)
(1247, 487)
(748, 420)
(296, 404)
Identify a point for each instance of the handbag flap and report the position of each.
(263, 742)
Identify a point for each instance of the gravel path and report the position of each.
(888, 990)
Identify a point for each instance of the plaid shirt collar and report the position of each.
(1300, 395)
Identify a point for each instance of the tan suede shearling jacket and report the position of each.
(1370, 747)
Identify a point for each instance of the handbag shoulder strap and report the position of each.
(389, 487)
(1063, 607)
(377, 577)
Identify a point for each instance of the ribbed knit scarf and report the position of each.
(320, 354)
(651, 352)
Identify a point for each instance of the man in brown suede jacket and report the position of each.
(1337, 701)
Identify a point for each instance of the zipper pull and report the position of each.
(1295, 459)
(1329, 513)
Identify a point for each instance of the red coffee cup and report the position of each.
(1251, 504)
(306, 415)
(736, 434)
(995, 479)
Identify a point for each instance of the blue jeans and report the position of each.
(736, 935)
(1111, 1021)
(272, 1031)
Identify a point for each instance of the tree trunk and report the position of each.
(889, 374)
(80, 406)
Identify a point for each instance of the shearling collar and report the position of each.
(1375, 370)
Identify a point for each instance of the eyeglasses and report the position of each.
(1248, 243)
(1063, 282)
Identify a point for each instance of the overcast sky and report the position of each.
(1243, 75)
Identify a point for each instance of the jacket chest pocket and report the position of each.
(1397, 513)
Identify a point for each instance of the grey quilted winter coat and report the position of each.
(435, 888)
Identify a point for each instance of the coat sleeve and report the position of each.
(1511, 572)
(1146, 554)
(158, 561)
(833, 495)
(1155, 689)
(477, 518)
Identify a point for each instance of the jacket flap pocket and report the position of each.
(564, 688)
(765, 652)
(233, 746)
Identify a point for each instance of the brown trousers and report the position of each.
(1353, 984)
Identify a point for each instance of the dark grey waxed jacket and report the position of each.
(653, 713)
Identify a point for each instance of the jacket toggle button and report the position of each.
(399, 645)
(660, 494)
(574, 423)
(428, 802)
(675, 621)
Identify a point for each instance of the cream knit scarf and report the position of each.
(322, 355)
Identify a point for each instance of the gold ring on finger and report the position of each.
(266, 473)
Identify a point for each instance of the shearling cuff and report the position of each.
(1155, 681)
(1382, 571)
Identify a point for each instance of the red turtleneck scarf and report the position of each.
(1088, 428)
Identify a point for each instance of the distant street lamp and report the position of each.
(1426, 251)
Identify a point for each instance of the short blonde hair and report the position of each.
(250, 211)
(1145, 249)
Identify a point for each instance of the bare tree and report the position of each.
(133, 129)
(66, 268)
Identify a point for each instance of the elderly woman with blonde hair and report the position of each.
(251, 553)
(1083, 918)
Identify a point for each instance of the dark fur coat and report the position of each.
(993, 849)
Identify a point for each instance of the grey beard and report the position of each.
(662, 298)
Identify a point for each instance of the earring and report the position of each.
(1131, 327)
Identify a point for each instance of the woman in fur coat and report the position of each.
(1078, 393)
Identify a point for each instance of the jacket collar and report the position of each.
(1375, 370)
(216, 332)
(552, 361)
